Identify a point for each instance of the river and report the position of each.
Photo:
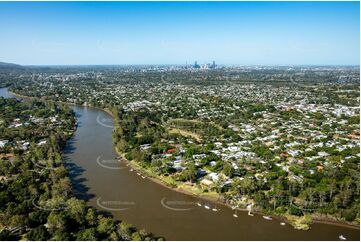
(110, 185)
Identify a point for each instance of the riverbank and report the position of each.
(301, 223)
(191, 190)
(130, 232)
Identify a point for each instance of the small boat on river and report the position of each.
(267, 217)
(341, 237)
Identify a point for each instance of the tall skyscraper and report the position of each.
(196, 65)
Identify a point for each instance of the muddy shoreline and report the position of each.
(315, 218)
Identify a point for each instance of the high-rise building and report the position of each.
(196, 65)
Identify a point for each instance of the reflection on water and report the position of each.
(145, 204)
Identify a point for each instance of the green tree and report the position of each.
(89, 234)
(56, 221)
(227, 169)
(91, 217)
(105, 225)
(39, 233)
(76, 209)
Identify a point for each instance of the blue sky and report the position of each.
(270, 33)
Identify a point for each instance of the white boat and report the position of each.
(143, 177)
(235, 215)
(138, 174)
(267, 217)
(214, 209)
(341, 237)
(131, 169)
(206, 207)
(199, 205)
(282, 223)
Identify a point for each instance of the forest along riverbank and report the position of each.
(79, 221)
(109, 184)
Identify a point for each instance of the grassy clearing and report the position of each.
(182, 120)
(185, 133)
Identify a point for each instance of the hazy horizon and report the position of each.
(218, 64)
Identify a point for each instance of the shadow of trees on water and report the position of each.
(80, 190)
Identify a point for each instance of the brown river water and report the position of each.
(111, 186)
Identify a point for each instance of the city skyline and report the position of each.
(151, 33)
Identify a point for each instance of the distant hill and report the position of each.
(4, 65)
